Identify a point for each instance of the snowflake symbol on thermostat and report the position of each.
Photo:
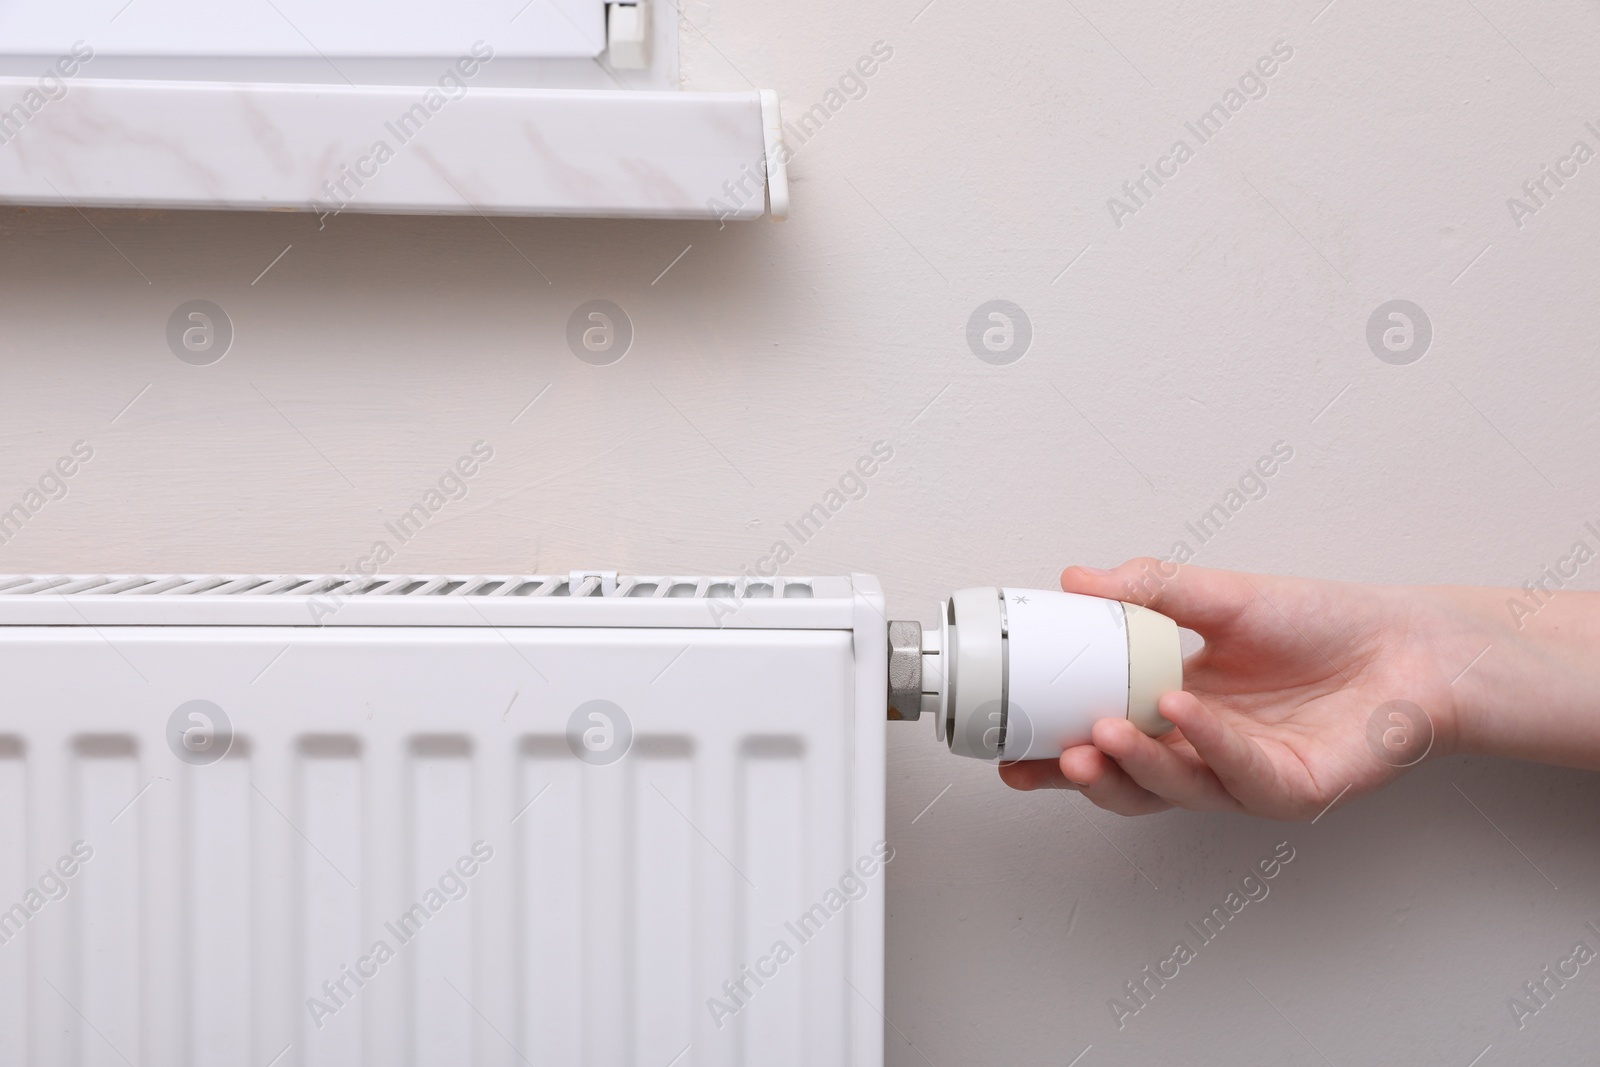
(1019, 599)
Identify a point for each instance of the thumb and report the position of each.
(1196, 598)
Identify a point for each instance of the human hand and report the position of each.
(1273, 719)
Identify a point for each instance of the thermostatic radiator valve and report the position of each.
(1015, 674)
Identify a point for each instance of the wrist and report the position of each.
(1523, 674)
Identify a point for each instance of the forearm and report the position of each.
(1534, 693)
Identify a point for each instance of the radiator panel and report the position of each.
(232, 912)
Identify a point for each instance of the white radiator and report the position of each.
(457, 820)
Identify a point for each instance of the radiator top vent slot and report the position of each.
(453, 585)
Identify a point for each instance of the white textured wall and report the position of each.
(1220, 318)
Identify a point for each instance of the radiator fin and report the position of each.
(15, 879)
(773, 802)
(336, 587)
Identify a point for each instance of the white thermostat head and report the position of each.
(1019, 674)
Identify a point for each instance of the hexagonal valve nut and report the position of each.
(905, 670)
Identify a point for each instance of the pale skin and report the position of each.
(1273, 719)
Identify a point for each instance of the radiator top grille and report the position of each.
(439, 585)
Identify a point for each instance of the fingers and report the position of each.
(1098, 778)
(1198, 598)
(1238, 763)
(1035, 774)
(1107, 785)
(1176, 776)
(1129, 773)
